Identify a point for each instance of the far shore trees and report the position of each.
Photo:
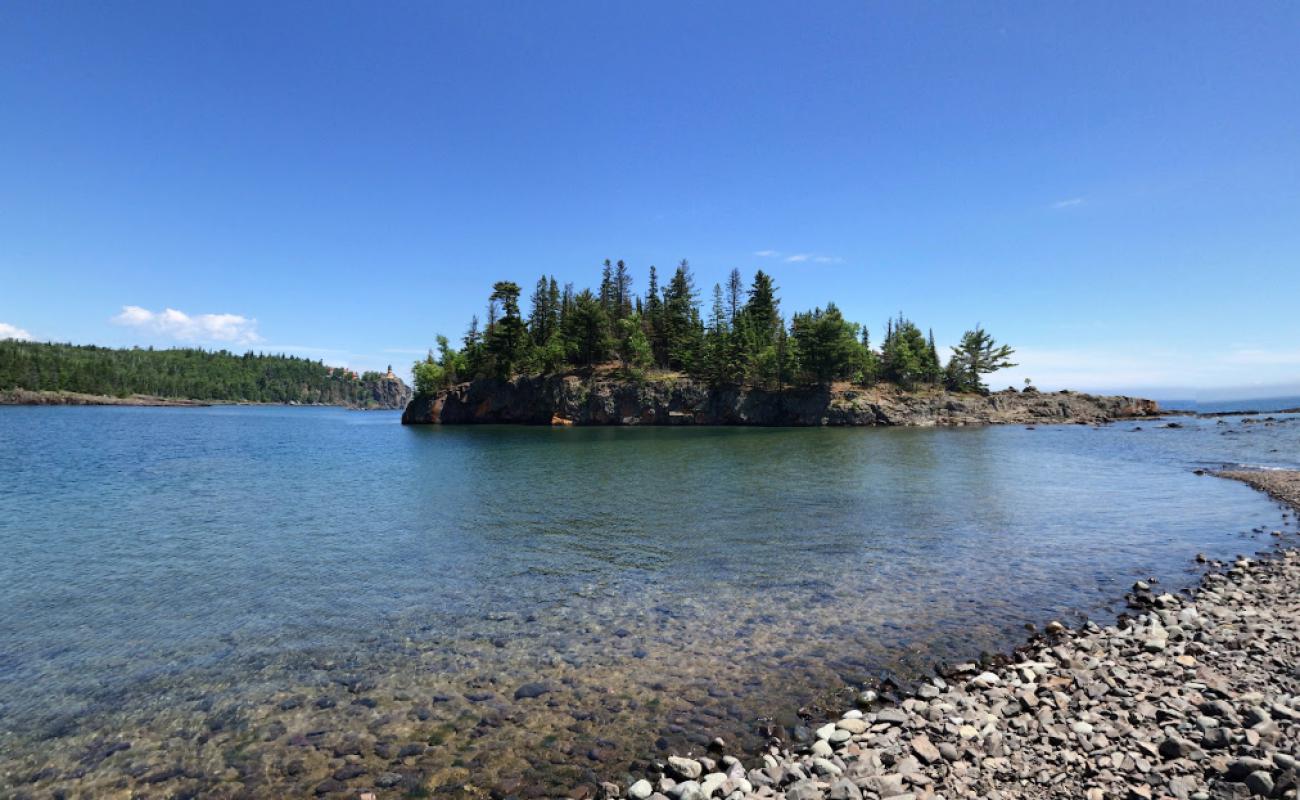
(743, 339)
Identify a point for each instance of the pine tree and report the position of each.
(507, 343)
(978, 354)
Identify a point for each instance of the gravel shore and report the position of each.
(1188, 696)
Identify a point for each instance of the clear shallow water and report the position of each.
(240, 593)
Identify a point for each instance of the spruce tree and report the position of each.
(682, 326)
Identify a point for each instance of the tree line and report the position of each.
(742, 339)
(189, 373)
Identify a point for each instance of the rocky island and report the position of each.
(616, 358)
(573, 400)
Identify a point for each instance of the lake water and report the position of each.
(252, 597)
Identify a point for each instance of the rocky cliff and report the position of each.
(390, 393)
(573, 400)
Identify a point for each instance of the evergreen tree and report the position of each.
(586, 331)
(905, 357)
(978, 354)
(762, 312)
(607, 288)
(541, 324)
(654, 321)
(735, 287)
(717, 342)
(826, 345)
(682, 321)
(473, 349)
(622, 290)
(507, 343)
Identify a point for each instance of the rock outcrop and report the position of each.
(682, 401)
(389, 393)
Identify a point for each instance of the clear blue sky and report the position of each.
(1112, 188)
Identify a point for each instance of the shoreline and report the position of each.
(604, 401)
(1192, 696)
(25, 397)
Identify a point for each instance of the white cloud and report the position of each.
(766, 253)
(228, 328)
(798, 258)
(1068, 203)
(8, 331)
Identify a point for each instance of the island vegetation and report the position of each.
(191, 373)
(743, 339)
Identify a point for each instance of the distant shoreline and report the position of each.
(25, 397)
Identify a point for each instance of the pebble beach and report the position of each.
(1188, 696)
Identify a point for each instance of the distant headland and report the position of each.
(614, 357)
(34, 373)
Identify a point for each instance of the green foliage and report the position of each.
(633, 345)
(586, 331)
(190, 373)
(907, 359)
(978, 354)
(826, 345)
(682, 328)
(745, 340)
(507, 337)
(429, 376)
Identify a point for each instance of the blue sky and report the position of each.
(1113, 189)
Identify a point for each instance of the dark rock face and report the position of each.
(570, 400)
(384, 393)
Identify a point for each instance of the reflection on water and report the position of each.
(265, 599)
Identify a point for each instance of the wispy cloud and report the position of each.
(799, 258)
(8, 331)
(225, 328)
(1070, 202)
